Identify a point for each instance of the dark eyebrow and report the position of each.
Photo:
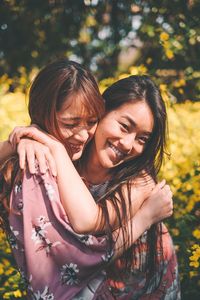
(131, 121)
(133, 124)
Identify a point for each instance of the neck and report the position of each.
(91, 169)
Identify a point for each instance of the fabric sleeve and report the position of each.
(55, 260)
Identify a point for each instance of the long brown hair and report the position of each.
(55, 84)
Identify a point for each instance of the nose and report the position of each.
(127, 142)
(82, 135)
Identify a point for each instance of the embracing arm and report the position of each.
(155, 208)
(84, 214)
(6, 150)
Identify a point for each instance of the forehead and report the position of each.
(75, 107)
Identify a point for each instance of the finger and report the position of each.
(36, 126)
(22, 157)
(162, 184)
(15, 136)
(51, 163)
(159, 186)
(30, 155)
(12, 138)
(41, 158)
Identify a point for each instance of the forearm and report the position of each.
(81, 209)
(5, 150)
(84, 214)
(135, 227)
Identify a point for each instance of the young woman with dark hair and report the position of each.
(117, 154)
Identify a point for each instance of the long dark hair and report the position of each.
(56, 83)
(134, 89)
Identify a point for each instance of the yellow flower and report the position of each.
(193, 257)
(175, 231)
(122, 76)
(149, 60)
(194, 264)
(164, 36)
(196, 233)
(163, 87)
(34, 54)
(169, 54)
(22, 80)
(1, 269)
(91, 21)
(17, 293)
(192, 273)
(179, 83)
(134, 71)
(181, 91)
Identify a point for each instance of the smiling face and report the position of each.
(123, 133)
(77, 126)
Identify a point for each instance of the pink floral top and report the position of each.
(55, 262)
(58, 264)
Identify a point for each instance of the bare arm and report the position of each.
(155, 208)
(84, 214)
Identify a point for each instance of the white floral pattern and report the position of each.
(107, 257)
(69, 274)
(17, 188)
(50, 191)
(45, 295)
(12, 238)
(39, 234)
(85, 238)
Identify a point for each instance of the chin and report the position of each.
(107, 164)
(77, 155)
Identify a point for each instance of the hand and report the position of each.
(33, 132)
(141, 189)
(159, 204)
(30, 150)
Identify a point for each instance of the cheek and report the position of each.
(66, 133)
(139, 149)
(92, 131)
(136, 150)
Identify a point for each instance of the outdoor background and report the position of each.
(114, 39)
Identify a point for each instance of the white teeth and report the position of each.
(117, 152)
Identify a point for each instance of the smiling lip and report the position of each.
(76, 148)
(119, 154)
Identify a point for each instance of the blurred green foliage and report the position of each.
(164, 36)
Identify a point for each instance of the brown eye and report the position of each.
(92, 122)
(143, 140)
(125, 126)
(70, 126)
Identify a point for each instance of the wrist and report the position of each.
(143, 219)
(55, 145)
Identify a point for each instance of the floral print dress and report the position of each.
(54, 261)
(58, 264)
(131, 286)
